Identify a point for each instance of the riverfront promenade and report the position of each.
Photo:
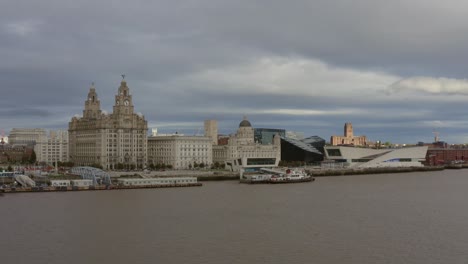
(209, 175)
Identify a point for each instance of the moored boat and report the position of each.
(277, 176)
(292, 176)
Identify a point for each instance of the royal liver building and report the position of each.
(116, 140)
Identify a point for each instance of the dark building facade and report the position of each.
(265, 136)
(307, 150)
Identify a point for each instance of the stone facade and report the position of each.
(243, 151)
(53, 148)
(179, 151)
(111, 140)
(348, 138)
(211, 130)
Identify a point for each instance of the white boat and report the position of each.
(277, 176)
(291, 176)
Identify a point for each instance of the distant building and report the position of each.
(348, 138)
(211, 130)
(179, 151)
(110, 140)
(443, 155)
(15, 153)
(26, 136)
(265, 135)
(242, 152)
(48, 148)
(53, 148)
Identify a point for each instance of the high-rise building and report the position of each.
(109, 140)
(211, 130)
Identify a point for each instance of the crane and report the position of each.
(436, 135)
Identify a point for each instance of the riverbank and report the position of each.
(363, 171)
(340, 172)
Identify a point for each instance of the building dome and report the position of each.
(245, 123)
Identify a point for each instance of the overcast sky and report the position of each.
(395, 69)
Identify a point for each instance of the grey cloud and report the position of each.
(52, 50)
(431, 85)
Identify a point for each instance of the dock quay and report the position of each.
(93, 188)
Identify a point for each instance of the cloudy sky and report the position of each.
(396, 69)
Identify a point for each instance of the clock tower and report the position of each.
(114, 141)
(123, 100)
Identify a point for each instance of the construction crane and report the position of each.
(436, 136)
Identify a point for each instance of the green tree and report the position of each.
(9, 168)
(201, 165)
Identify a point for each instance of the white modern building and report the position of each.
(179, 151)
(353, 157)
(243, 152)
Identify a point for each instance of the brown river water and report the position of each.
(419, 217)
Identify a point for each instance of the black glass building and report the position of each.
(265, 136)
(307, 150)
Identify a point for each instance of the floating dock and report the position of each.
(93, 188)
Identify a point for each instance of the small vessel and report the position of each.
(292, 176)
(265, 175)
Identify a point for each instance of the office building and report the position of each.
(111, 140)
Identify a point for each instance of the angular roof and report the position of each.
(302, 145)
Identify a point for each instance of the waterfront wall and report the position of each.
(342, 172)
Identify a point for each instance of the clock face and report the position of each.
(117, 102)
(126, 102)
